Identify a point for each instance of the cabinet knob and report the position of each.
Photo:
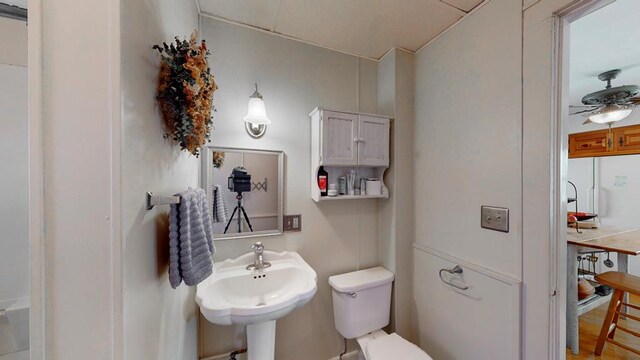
(621, 141)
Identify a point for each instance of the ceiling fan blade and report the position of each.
(577, 112)
(582, 106)
(582, 109)
(630, 66)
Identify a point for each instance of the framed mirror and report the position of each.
(245, 191)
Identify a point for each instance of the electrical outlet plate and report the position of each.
(293, 222)
(494, 218)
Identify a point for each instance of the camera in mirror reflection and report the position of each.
(240, 180)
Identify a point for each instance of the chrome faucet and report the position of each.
(258, 262)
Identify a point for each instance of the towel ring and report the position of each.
(456, 270)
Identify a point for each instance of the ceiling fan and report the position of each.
(609, 105)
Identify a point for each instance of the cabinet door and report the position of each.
(587, 144)
(627, 140)
(339, 132)
(373, 141)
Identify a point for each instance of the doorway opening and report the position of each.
(597, 165)
(15, 301)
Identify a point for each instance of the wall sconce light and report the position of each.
(256, 120)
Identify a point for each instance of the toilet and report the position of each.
(361, 305)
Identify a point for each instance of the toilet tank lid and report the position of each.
(360, 280)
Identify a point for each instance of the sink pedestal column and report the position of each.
(261, 340)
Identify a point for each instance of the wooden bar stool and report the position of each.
(622, 283)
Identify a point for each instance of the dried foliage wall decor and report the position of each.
(185, 92)
(218, 159)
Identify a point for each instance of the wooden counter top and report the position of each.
(609, 238)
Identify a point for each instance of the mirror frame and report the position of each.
(206, 183)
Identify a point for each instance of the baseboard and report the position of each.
(351, 355)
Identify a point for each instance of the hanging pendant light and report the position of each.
(256, 120)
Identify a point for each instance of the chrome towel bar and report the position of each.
(153, 200)
(455, 270)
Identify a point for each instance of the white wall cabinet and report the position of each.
(339, 133)
(373, 141)
(351, 138)
(345, 141)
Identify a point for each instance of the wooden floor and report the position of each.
(590, 324)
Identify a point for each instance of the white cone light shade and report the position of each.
(256, 113)
(610, 114)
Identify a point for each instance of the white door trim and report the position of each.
(37, 343)
(559, 164)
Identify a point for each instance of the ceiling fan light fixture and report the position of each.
(610, 114)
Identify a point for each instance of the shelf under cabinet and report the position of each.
(352, 197)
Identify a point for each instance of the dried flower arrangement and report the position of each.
(218, 159)
(185, 92)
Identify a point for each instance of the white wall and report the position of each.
(14, 208)
(468, 132)
(159, 322)
(580, 172)
(395, 99)
(337, 236)
(76, 117)
(616, 180)
(13, 41)
(95, 154)
(620, 190)
(618, 194)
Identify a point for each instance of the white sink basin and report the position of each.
(235, 295)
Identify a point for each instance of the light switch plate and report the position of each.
(293, 222)
(494, 218)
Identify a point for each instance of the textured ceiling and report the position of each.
(604, 40)
(368, 28)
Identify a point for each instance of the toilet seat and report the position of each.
(393, 346)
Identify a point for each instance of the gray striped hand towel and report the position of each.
(190, 239)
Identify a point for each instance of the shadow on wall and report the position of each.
(162, 244)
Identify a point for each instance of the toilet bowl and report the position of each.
(361, 306)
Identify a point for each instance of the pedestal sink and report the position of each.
(256, 298)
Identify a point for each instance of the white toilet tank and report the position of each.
(361, 301)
